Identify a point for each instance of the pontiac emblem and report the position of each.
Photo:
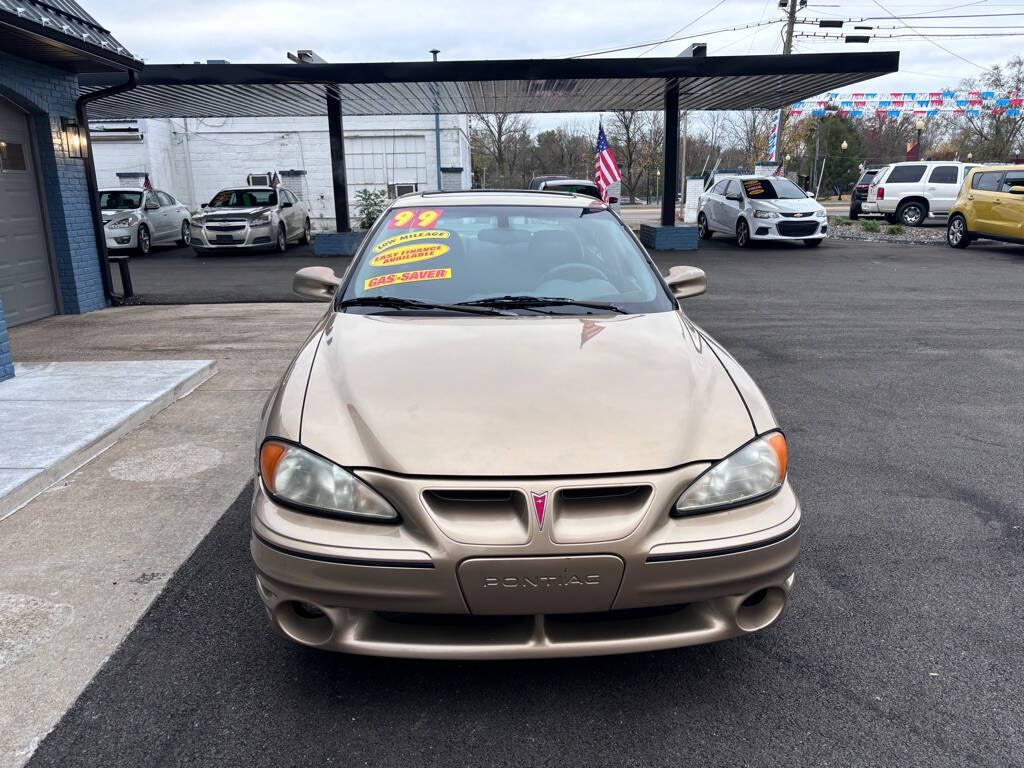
(540, 502)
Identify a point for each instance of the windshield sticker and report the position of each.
(407, 254)
(427, 234)
(754, 188)
(416, 219)
(413, 276)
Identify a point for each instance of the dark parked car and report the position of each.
(860, 191)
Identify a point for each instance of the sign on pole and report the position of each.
(773, 136)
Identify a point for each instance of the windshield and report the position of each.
(772, 189)
(123, 201)
(468, 253)
(590, 190)
(244, 198)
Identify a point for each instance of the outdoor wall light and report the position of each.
(74, 137)
(844, 146)
(970, 156)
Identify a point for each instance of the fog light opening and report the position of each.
(304, 622)
(760, 608)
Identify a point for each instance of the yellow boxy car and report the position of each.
(990, 205)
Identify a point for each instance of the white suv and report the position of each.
(908, 193)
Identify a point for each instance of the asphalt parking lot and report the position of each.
(898, 374)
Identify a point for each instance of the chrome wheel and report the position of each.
(956, 232)
(282, 239)
(703, 231)
(186, 234)
(145, 244)
(911, 214)
(742, 233)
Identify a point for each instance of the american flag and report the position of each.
(607, 172)
(147, 184)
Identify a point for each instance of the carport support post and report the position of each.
(336, 131)
(671, 170)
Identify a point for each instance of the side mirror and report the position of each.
(316, 282)
(204, 205)
(612, 200)
(736, 198)
(1017, 190)
(809, 193)
(152, 206)
(686, 281)
(286, 204)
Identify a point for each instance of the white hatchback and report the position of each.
(761, 208)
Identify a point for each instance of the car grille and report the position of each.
(225, 227)
(797, 228)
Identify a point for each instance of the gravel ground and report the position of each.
(932, 233)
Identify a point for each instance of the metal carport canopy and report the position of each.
(468, 87)
(473, 87)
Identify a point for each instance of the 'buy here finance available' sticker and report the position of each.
(411, 276)
(406, 254)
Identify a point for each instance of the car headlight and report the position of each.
(755, 471)
(259, 221)
(127, 221)
(758, 214)
(297, 476)
(821, 214)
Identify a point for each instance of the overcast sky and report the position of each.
(399, 30)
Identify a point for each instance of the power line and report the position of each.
(937, 45)
(716, 6)
(914, 36)
(676, 39)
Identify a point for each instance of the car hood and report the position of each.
(234, 213)
(519, 396)
(109, 214)
(805, 205)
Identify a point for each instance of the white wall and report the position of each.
(193, 159)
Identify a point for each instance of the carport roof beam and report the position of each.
(523, 85)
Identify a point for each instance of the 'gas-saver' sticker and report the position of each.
(406, 218)
(407, 254)
(412, 276)
(408, 237)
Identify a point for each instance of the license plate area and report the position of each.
(226, 239)
(532, 585)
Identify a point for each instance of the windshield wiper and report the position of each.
(530, 302)
(395, 302)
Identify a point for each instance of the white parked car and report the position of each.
(139, 219)
(908, 193)
(761, 208)
(251, 218)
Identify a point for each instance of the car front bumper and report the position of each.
(438, 586)
(127, 237)
(789, 229)
(233, 235)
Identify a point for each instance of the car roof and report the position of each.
(557, 182)
(997, 168)
(552, 199)
(261, 189)
(121, 189)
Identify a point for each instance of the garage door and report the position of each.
(26, 279)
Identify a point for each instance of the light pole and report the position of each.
(785, 168)
(970, 156)
(844, 146)
(437, 125)
(920, 127)
(657, 185)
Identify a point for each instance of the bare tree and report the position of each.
(748, 132)
(499, 142)
(994, 135)
(628, 132)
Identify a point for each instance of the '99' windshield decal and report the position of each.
(412, 218)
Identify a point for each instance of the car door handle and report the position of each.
(931, 189)
(997, 201)
(970, 197)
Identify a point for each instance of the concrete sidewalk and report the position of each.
(82, 561)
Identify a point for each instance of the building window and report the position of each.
(397, 190)
(12, 156)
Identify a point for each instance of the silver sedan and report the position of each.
(251, 218)
(138, 219)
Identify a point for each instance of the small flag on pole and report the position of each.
(607, 171)
(147, 184)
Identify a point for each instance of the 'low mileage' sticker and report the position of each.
(408, 237)
(412, 276)
(407, 254)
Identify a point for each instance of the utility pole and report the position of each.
(787, 48)
(437, 126)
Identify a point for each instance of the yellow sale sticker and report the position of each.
(412, 276)
(407, 254)
(408, 237)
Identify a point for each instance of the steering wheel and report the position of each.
(578, 270)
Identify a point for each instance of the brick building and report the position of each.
(49, 262)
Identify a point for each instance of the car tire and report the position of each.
(742, 234)
(703, 230)
(186, 235)
(911, 213)
(282, 239)
(855, 211)
(957, 234)
(144, 241)
(813, 243)
(306, 230)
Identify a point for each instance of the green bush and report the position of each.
(372, 203)
(869, 225)
(896, 229)
(835, 221)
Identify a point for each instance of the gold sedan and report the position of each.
(505, 439)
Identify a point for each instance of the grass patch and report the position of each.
(870, 225)
(896, 229)
(835, 221)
